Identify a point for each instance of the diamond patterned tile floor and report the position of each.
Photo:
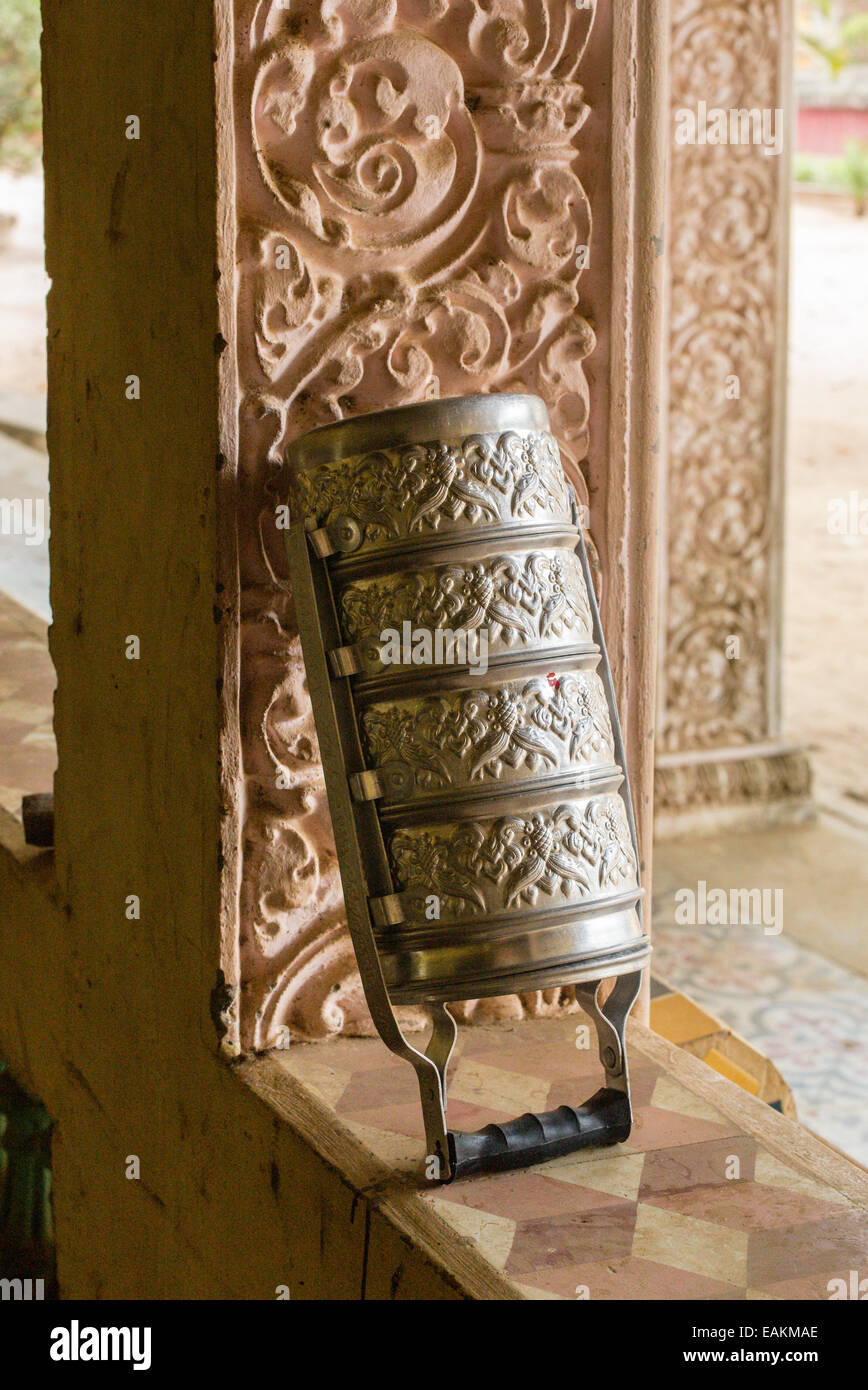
(704, 1201)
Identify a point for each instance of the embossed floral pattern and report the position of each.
(518, 599)
(395, 494)
(446, 741)
(552, 857)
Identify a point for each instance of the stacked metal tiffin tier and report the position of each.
(479, 770)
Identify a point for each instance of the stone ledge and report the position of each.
(657, 1217)
(320, 1150)
(707, 790)
(390, 1191)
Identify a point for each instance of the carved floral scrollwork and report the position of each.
(431, 231)
(733, 781)
(411, 225)
(724, 300)
(395, 150)
(727, 53)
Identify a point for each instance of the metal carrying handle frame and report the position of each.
(604, 1119)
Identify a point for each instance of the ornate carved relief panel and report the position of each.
(729, 210)
(415, 181)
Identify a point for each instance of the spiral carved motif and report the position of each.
(411, 225)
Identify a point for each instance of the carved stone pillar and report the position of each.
(719, 747)
(433, 199)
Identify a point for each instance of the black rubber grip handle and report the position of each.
(604, 1119)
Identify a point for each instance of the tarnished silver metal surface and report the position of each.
(469, 693)
(465, 737)
(524, 601)
(468, 486)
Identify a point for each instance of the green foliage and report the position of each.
(20, 85)
(854, 32)
(837, 44)
(847, 173)
(855, 164)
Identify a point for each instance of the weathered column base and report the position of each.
(731, 788)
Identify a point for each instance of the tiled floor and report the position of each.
(693, 1206)
(808, 1015)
